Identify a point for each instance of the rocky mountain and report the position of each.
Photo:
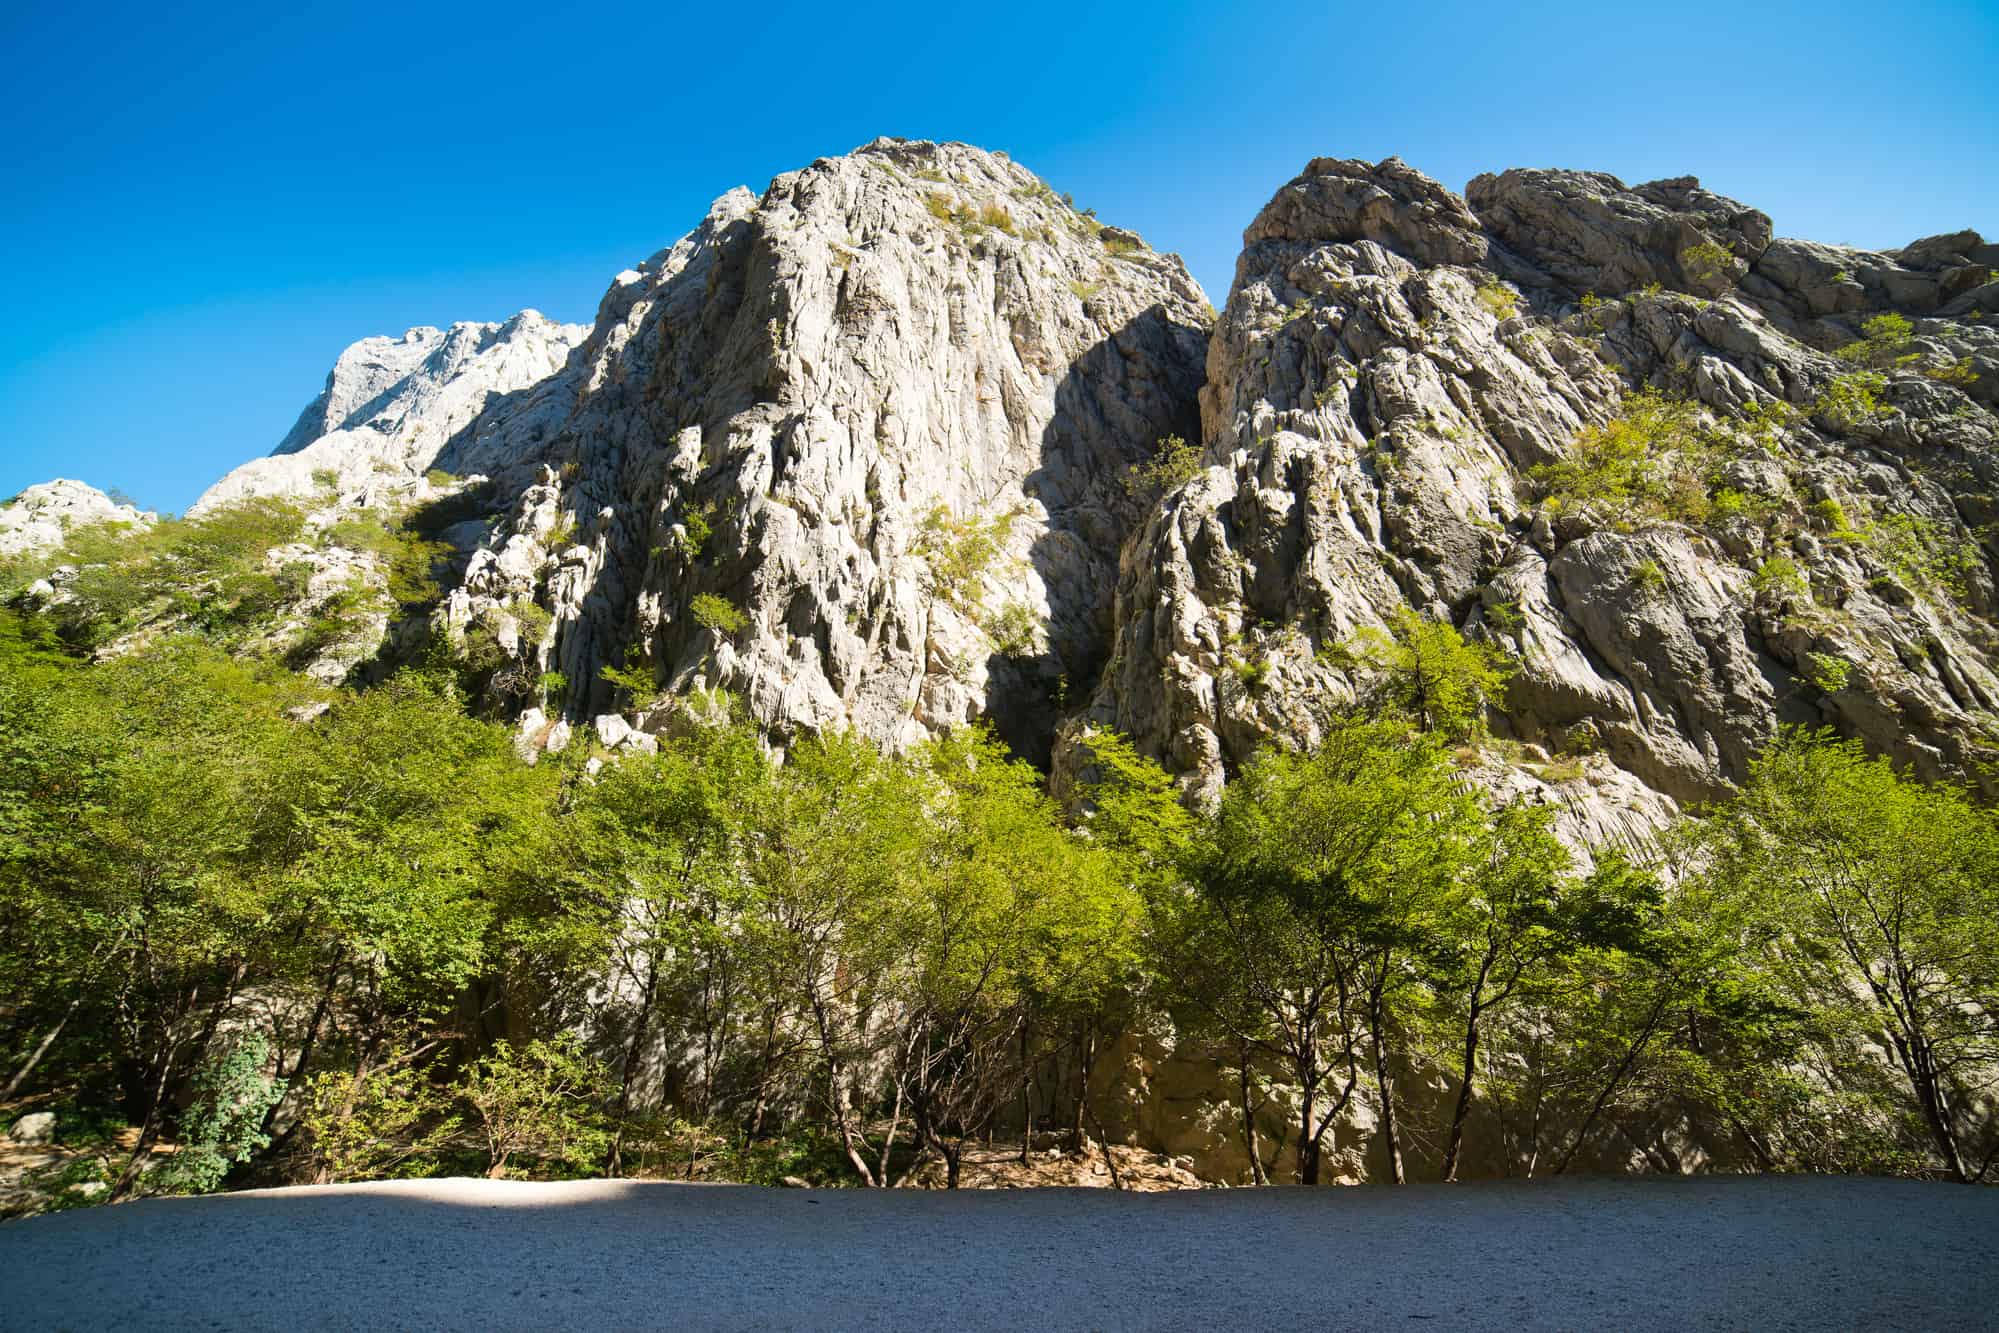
(1750, 529)
(895, 445)
(853, 450)
(908, 440)
(391, 405)
(38, 519)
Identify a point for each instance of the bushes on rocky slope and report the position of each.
(848, 965)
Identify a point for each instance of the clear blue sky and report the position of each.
(203, 207)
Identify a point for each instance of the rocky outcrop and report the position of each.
(853, 450)
(391, 405)
(1395, 364)
(37, 521)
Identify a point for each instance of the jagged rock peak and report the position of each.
(391, 405)
(805, 413)
(1389, 203)
(39, 518)
(1393, 365)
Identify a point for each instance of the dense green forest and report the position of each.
(297, 932)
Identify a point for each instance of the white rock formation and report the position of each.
(808, 414)
(39, 518)
(391, 405)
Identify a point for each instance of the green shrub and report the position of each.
(696, 529)
(959, 553)
(1120, 245)
(992, 215)
(1853, 399)
(1014, 629)
(1960, 372)
(224, 1125)
(1829, 673)
(409, 561)
(1654, 462)
(716, 614)
(1925, 553)
(1172, 465)
(635, 678)
(533, 619)
(1648, 577)
(1499, 300)
(1884, 342)
(944, 209)
(1252, 672)
(543, 1102)
(562, 535)
(210, 574)
(1779, 577)
(1708, 264)
(389, 1123)
(1831, 515)
(1427, 671)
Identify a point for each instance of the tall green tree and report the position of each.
(1876, 900)
(1316, 890)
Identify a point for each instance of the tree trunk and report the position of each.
(1026, 1101)
(1638, 1044)
(1256, 1175)
(836, 1102)
(149, 1130)
(1384, 1084)
(1103, 1142)
(1308, 1142)
(1086, 1058)
(41, 1049)
(1467, 1078)
(614, 1159)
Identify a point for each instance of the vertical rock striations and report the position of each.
(1397, 370)
(853, 450)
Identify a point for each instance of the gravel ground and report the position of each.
(1749, 1253)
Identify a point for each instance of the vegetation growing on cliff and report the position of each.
(290, 947)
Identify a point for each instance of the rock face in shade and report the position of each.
(1393, 363)
(390, 406)
(37, 520)
(854, 450)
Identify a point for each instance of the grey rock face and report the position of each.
(392, 404)
(853, 450)
(1392, 365)
(38, 519)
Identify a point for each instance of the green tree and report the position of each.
(1004, 909)
(1315, 889)
(542, 1100)
(1427, 671)
(224, 1125)
(1876, 900)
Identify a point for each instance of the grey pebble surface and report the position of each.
(1727, 1253)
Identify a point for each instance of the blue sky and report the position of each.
(202, 208)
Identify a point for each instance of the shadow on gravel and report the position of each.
(1767, 1252)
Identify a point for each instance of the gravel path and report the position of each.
(1745, 1253)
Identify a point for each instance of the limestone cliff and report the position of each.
(390, 405)
(38, 519)
(1395, 372)
(853, 450)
